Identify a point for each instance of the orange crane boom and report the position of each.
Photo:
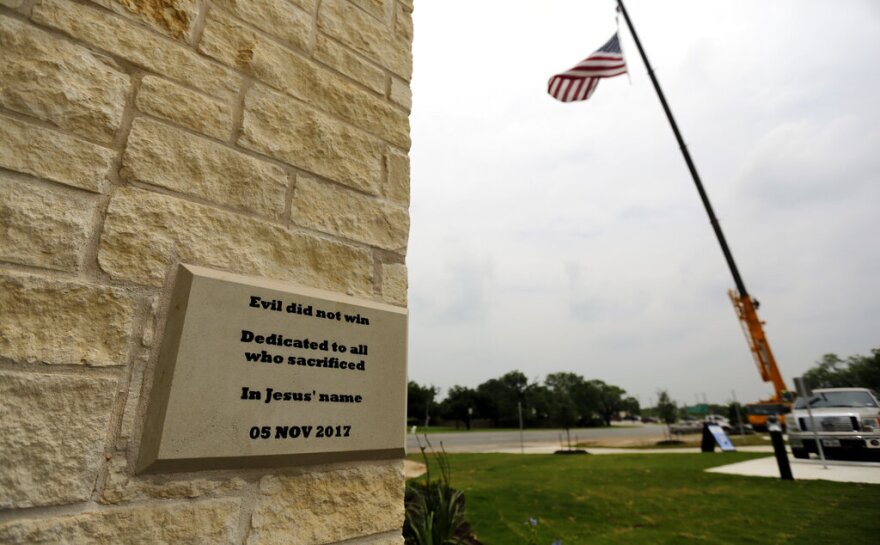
(742, 301)
(746, 310)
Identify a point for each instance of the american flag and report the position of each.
(580, 82)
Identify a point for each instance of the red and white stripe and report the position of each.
(580, 82)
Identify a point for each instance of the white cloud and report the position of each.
(569, 237)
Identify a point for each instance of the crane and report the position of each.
(753, 328)
(745, 305)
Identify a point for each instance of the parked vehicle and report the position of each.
(686, 426)
(846, 421)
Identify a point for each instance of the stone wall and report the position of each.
(265, 137)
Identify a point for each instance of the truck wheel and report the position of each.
(800, 453)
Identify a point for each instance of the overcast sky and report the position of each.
(569, 237)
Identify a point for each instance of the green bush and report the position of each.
(434, 510)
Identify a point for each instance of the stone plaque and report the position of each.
(258, 373)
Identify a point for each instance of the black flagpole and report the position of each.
(687, 158)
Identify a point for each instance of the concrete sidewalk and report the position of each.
(847, 472)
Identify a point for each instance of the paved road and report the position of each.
(490, 441)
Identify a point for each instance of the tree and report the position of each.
(459, 405)
(498, 398)
(610, 399)
(866, 370)
(569, 400)
(630, 405)
(667, 409)
(420, 402)
(855, 371)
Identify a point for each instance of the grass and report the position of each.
(691, 440)
(655, 499)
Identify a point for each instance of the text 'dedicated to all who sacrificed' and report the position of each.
(258, 372)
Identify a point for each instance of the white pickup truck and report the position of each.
(846, 420)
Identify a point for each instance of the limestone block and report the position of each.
(280, 18)
(59, 82)
(132, 400)
(394, 283)
(319, 505)
(143, 229)
(401, 93)
(202, 523)
(48, 154)
(307, 5)
(397, 183)
(403, 23)
(284, 128)
(44, 226)
(172, 17)
(350, 25)
(387, 539)
(11, 3)
(168, 157)
(235, 45)
(342, 212)
(193, 110)
(52, 434)
(123, 487)
(380, 9)
(59, 322)
(137, 45)
(349, 63)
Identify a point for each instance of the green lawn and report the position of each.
(656, 499)
(691, 440)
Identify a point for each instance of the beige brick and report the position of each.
(174, 18)
(236, 45)
(59, 82)
(280, 18)
(209, 116)
(401, 93)
(403, 21)
(230, 42)
(394, 283)
(284, 128)
(380, 9)
(328, 506)
(201, 523)
(354, 28)
(123, 487)
(144, 229)
(349, 63)
(397, 184)
(388, 539)
(44, 226)
(307, 5)
(167, 157)
(137, 45)
(52, 434)
(348, 214)
(59, 322)
(49, 154)
(11, 3)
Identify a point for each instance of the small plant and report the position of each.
(533, 533)
(434, 510)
